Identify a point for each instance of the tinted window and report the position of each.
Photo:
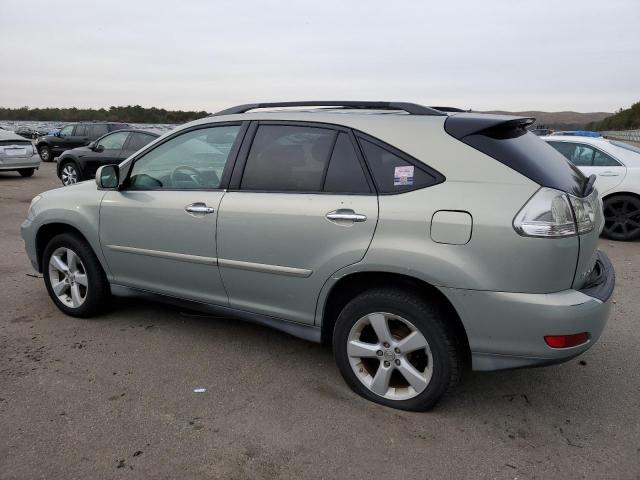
(345, 173)
(81, 130)
(66, 131)
(579, 154)
(391, 172)
(288, 158)
(97, 130)
(113, 141)
(138, 140)
(192, 160)
(601, 159)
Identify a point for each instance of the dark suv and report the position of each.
(72, 136)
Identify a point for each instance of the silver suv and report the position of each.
(416, 241)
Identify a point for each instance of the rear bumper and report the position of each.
(15, 163)
(507, 330)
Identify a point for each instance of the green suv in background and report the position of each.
(416, 241)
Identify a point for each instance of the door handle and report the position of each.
(346, 214)
(198, 208)
(608, 174)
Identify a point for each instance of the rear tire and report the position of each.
(74, 277)
(392, 371)
(622, 218)
(26, 172)
(46, 155)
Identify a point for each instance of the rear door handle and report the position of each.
(608, 174)
(346, 214)
(198, 208)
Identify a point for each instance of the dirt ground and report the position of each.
(113, 397)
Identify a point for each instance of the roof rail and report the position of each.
(450, 109)
(411, 108)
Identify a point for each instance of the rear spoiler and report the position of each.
(496, 126)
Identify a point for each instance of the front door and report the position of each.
(159, 232)
(303, 209)
(107, 151)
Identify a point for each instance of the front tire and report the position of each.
(622, 218)
(46, 155)
(74, 277)
(395, 348)
(26, 172)
(69, 173)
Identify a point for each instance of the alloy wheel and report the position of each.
(622, 218)
(45, 154)
(69, 175)
(390, 356)
(68, 277)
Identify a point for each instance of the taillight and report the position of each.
(551, 213)
(566, 341)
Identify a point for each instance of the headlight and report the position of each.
(554, 214)
(35, 200)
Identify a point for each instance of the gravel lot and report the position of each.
(113, 397)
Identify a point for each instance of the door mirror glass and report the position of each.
(107, 177)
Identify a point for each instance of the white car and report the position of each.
(617, 167)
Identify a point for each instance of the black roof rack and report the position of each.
(450, 109)
(411, 108)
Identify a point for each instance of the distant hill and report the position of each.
(624, 119)
(559, 120)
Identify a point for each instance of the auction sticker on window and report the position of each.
(403, 176)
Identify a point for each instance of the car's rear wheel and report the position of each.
(395, 348)
(45, 153)
(26, 172)
(74, 277)
(622, 218)
(69, 173)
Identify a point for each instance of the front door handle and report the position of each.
(608, 174)
(346, 214)
(198, 208)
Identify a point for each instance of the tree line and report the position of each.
(129, 114)
(623, 119)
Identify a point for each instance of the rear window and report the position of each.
(626, 146)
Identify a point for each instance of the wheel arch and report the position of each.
(620, 193)
(62, 160)
(49, 230)
(351, 285)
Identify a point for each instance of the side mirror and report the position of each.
(92, 146)
(98, 148)
(108, 177)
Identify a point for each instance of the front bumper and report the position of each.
(507, 329)
(28, 232)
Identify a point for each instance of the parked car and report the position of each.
(27, 132)
(576, 133)
(415, 241)
(17, 154)
(81, 163)
(617, 168)
(72, 136)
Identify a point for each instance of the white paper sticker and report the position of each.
(403, 176)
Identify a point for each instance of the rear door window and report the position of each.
(288, 158)
(97, 130)
(601, 159)
(345, 174)
(138, 140)
(392, 172)
(81, 130)
(579, 154)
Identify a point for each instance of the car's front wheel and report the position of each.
(395, 348)
(622, 218)
(45, 153)
(69, 173)
(74, 277)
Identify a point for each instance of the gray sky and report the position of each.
(581, 55)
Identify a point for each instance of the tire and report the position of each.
(46, 155)
(439, 364)
(622, 218)
(26, 172)
(96, 292)
(70, 173)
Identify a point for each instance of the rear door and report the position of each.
(300, 207)
(80, 136)
(591, 160)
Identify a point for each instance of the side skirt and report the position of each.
(306, 332)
